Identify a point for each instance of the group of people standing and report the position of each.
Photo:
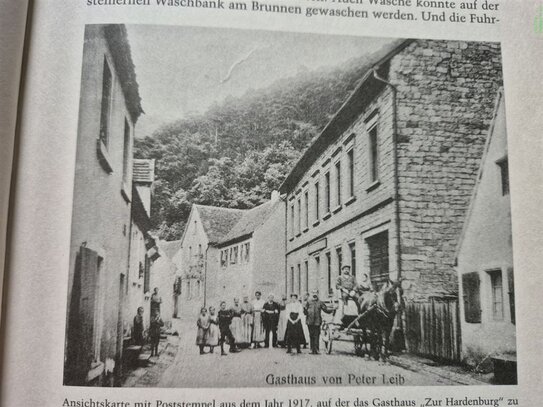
(291, 324)
(155, 324)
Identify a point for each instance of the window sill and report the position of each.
(298, 234)
(125, 193)
(305, 229)
(103, 156)
(373, 185)
(291, 239)
(316, 223)
(350, 200)
(337, 209)
(326, 215)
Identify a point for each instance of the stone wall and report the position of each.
(445, 101)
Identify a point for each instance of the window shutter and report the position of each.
(511, 280)
(472, 297)
(147, 275)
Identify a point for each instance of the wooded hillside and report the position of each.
(239, 151)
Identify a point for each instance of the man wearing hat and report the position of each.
(313, 309)
(346, 283)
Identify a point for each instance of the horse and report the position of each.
(377, 311)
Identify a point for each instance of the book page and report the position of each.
(12, 31)
(290, 204)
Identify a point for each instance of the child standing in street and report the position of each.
(154, 333)
(203, 326)
(212, 337)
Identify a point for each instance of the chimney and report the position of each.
(275, 196)
(143, 176)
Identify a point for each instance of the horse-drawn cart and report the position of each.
(351, 328)
(366, 320)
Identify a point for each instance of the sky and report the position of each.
(184, 70)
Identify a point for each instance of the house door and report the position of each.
(378, 258)
(120, 330)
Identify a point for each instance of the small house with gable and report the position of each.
(251, 256)
(485, 256)
(206, 226)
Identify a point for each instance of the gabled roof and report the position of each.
(218, 222)
(368, 87)
(497, 105)
(170, 248)
(249, 222)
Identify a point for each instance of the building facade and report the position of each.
(143, 251)
(485, 256)
(102, 212)
(386, 185)
(206, 226)
(251, 256)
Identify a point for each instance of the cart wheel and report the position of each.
(327, 337)
(376, 346)
(358, 345)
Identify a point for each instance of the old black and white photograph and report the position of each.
(268, 209)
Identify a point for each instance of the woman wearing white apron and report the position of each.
(282, 324)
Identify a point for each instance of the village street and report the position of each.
(254, 367)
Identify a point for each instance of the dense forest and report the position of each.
(236, 153)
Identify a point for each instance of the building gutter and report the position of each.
(400, 316)
(205, 276)
(284, 199)
(395, 165)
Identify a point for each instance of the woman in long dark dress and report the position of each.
(294, 335)
(137, 329)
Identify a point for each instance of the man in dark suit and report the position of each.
(313, 309)
(270, 318)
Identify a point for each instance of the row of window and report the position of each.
(300, 273)
(238, 254)
(326, 195)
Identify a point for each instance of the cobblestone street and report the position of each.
(253, 367)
